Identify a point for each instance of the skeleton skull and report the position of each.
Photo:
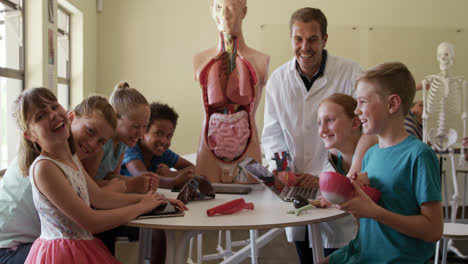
(445, 54)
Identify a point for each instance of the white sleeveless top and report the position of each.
(54, 224)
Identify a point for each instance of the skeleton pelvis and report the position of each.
(442, 141)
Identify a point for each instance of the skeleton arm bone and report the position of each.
(464, 116)
(425, 116)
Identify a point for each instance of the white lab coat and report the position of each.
(290, 124)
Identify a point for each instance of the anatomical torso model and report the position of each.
(232, 77)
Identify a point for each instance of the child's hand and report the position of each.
(146, 182)
(151, 200)
(323, 202)
(182, 178)
(465, 142)
(306, 180)
(177, 203)
(360, 178)
(153, 180)
(164, 170)
(361, 205)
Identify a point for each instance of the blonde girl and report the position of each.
(133, 114)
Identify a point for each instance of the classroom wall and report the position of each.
(151, 43)
(83, 46)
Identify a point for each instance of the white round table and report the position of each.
(269, 212)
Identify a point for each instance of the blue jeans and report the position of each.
(18, 256)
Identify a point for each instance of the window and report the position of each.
(63, 57)
(11, 75)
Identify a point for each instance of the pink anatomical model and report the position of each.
(337, 188)
(232, 77)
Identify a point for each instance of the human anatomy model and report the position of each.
(444, 94)
(232, 77)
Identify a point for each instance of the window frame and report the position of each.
(61, 80)
(10, 73)
(14, 73)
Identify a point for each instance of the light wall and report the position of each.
(151, 43)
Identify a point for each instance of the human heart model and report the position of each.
(337, 188)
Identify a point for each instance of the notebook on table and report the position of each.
(265, 177)
(166, 210)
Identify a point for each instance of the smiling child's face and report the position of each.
(90, 133)
(158, 137)
(335, 127)
(48, 125)
(371, 108)
(132, 127)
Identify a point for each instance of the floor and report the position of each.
(462, 245)
(278, 251)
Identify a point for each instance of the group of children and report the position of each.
(69, 169)
(77, 165)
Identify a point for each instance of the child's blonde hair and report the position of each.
(392, 78)
(125, 99)
(38, 97)
(97, 105)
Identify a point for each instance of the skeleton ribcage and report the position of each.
(441, 105)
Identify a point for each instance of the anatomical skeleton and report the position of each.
(443, 96)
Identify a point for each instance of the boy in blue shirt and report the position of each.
(152, 152)
(407, 221)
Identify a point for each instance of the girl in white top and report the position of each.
(93, 122)
(62, 191)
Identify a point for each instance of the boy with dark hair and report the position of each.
(152, 152)
(403, 226)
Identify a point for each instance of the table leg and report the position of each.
(436, 258)
(260, 242)
(179, 254)
(444, 250)
(144, 244)
(316, 238)
(170, 246)
(253, 246)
